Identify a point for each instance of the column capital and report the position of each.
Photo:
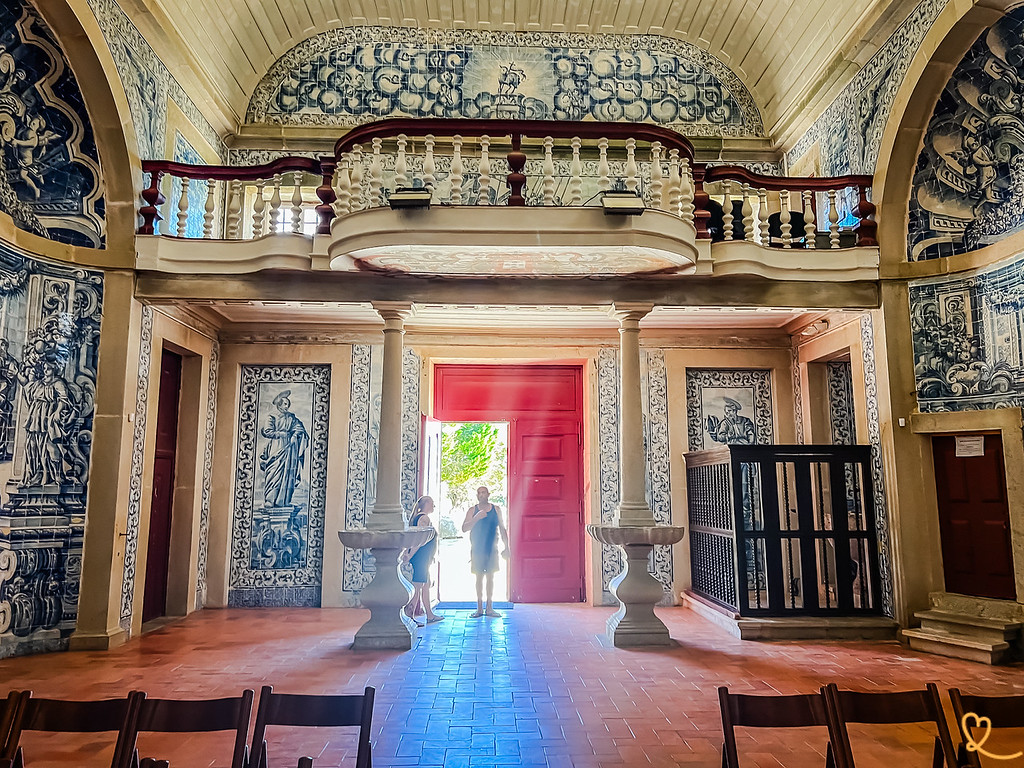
(629, 311)
(392, 311)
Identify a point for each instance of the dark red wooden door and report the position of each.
(974, 519)
(154, 602)
(544, 405)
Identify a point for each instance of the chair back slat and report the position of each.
(65, 716)
(313, 711)
(197, 716)
(790, 711)
(888, 707)
(1003, 711)
(9, 711)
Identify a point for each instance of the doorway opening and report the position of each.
(472, 454)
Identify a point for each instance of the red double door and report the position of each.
(543, 405)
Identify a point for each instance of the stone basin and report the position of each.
(362, 538)
(621, 536)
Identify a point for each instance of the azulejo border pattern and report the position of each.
(839, 380)
(204, 514)
(301, 585)
(659, 484)
(849, 131)
(148, 83)
(330, 42)
(410, 427)
(131, 542)
(877, 473)
(798, 395)
(608, 450)
(760, 381)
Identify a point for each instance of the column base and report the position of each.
(97, 641)
(637, 634)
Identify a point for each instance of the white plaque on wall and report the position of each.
(970, 445)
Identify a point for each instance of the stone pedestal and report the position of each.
(388, 628)
(635, 623)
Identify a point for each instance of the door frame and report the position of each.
(584, 368)
(1007, 422)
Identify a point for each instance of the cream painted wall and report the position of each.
(196, 348)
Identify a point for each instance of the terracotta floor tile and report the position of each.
(541, 687)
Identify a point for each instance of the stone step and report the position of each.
(957, 646)
(975, 627)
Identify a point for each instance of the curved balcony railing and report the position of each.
(514, 163)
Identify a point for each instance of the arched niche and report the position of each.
(103, 124)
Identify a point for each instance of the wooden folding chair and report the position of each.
(60, 716)
(1003, 711)
(188, 716)
(314, 711)
(888, 707)
(802, 710)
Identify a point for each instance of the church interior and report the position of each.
(721, 302)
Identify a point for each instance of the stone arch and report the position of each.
(76, 30)
(952, 35)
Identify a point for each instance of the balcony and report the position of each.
(486, 198)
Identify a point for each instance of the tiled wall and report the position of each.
(356, 74)
(50, 180)
(969, 184)
(969, 338)
(147, 83)
(710, 392)
(842, 420)
(280, 486)
(49, 339)
(849, 131)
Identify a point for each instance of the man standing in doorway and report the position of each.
(483, 521)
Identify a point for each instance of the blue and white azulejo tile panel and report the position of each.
(50, 179)
(728, 406)
(968, 336)
(280, 485)
(353, 75)
(49, 344)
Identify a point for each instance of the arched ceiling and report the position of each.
(789, 53)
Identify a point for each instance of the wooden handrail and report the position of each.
(779, 183)
(533, 129)
(235, 172)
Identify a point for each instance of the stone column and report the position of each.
(633, 528)
(633, 508)
(387, 508)
(385, 534)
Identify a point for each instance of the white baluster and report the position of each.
(673, 199)
(576, 174)
(211, 204)
(297, 202)
(234, 217)
(401, 166)
(748, 214)
(686, 208)
(355, 175)
(376, 175)
(275, 205)
(429, 166)
(484, 198)
(784, 219)
(727, 216)
(259, 208)
(603, 171)
(656, 176)
(632, 177)
(183, 207)
(762, 215)
(456, 176)
(810, 225)
(343, 187)
(549, 171)
(833, 220)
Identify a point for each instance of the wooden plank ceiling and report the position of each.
(782, 49)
